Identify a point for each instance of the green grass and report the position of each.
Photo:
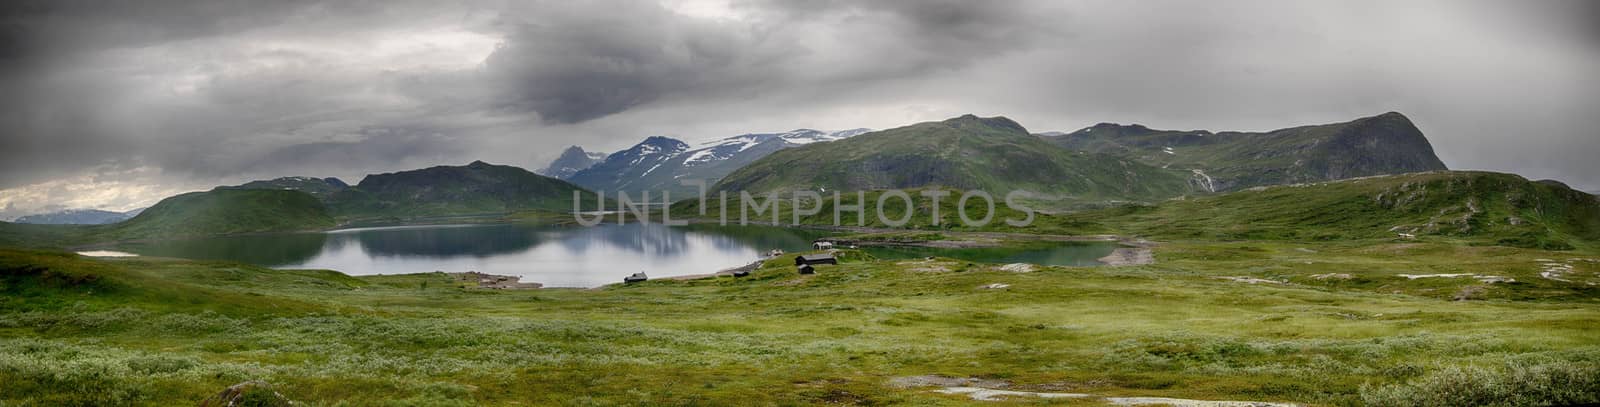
(147, 331)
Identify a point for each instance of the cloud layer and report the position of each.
(198, 93)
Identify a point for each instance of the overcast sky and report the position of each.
(116, 104)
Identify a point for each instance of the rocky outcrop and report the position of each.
(250, 393)
(572, 160)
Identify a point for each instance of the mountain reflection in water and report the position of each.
(554, 256)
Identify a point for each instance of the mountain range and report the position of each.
(659, 164)
(1337, 180)
(1384, 144)
(993, 154)
(475, 189)
(79, 217)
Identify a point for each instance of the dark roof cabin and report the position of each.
(636, 277)
(806, 269)
(823, 258)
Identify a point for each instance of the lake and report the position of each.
(555, 256)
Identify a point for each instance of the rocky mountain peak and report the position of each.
(572, 160)
(660, 144)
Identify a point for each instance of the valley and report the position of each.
(1391, 281)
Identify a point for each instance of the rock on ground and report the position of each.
(250, 393)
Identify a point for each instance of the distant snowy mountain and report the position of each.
(79, 217)
(571, 161)
(658, 163)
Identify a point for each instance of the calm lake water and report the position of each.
(554, 256)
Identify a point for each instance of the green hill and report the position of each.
(224, 211)
(992, 154)
(478, 188)
(318, 187)
(1384, 144)
(1491, 208)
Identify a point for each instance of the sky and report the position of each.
(115, 105)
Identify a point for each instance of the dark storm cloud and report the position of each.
(574, 62)
(34, 30)
(195, 93)
(590, 59)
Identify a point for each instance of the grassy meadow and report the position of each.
(1308, 323)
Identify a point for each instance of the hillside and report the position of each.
(478, 188)
(993, 154)
(223, 211)
(318, 187)
(1384, 144)
(659, 163)
(1490, 208)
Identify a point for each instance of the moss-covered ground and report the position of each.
(1315, 323)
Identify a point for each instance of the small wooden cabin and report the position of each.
(821, 245)
(806, 269)
(636, 277)
(823, 258)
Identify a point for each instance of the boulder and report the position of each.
(250, 393)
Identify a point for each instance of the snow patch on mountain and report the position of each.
(658, 162)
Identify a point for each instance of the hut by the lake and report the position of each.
(821, 245)
(806, 269)
(636, 277)
(820, 258)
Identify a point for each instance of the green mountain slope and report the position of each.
(224, 211)
(1491, 208)
(1384, 144)
(478, 188)
(318, 187)
(992, 154)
